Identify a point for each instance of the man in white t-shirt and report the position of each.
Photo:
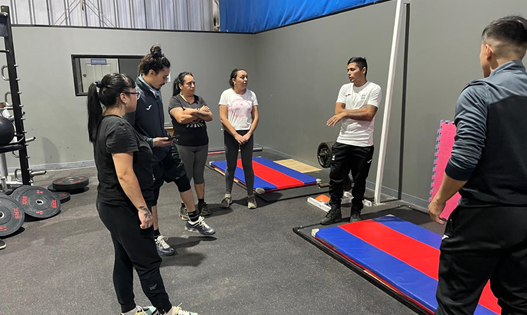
(357, 104)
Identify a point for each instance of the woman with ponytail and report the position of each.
(189, 114)
(124, 193)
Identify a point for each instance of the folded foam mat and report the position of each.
(399, 254)
(445, 142)
(269, 175)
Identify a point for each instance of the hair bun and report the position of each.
(156, 51)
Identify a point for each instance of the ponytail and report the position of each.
(94, 111)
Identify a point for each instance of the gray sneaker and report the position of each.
(199, 226)
(251, 202)
(226, 202)
(183, 213)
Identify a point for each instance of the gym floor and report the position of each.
(255, 264)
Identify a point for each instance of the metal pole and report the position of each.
(48, 6)
(101, 14)
(146, 15)
(67, 12)
(31, 12)
(116, 13)
(160, 2)
(388, 99)
(132, 13)
(403, 110)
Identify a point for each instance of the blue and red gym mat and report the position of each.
(399, 254)
(268, 175)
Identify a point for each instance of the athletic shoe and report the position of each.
(203, 209)
(2, 244)
(199, 226)
(163, 249)
(176, 310)
(226, 202)
(183, 213)
(355, 216)
(149, 310)
(334, 215)
(251, 202)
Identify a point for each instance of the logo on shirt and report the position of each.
(149, 106)
(240, 108)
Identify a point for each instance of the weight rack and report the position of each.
(20, 134)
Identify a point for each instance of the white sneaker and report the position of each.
(149, 310)
(251, 202)
(176, 310)
(163, 249)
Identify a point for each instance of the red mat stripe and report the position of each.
(279, 179)
(410, 251)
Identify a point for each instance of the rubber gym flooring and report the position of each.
(255, 264)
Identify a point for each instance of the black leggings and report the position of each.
(345, 158)
(134, 248)
(231, 154)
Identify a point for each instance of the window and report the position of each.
(88, 69)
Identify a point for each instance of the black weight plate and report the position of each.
(324, 153)
(63, 196)
(11, 216)
(17, 191)
(70, 183)
(38, 202)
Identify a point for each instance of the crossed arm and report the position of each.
(365, 113)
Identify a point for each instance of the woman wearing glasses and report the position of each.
(125, 193)
(189, 113)
(239, 117)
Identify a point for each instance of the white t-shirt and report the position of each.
(358, 132)
(239, 108)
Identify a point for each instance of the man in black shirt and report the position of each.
(486, 235)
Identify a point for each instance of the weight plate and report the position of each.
(11, 216)
(70, 183)
(324, 153)
(38, 202)
(63, 196)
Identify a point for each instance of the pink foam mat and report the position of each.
(445, 142)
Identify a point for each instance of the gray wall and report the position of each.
(301, 67)
(58, 118)
(296, 72)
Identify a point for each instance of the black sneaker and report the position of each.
(334, 215)
(2, 244)
(203, 209)
(355, 216)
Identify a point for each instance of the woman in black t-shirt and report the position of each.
(189, 114)
(124, 193)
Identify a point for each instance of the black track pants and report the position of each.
(345, 158)
(480, 244)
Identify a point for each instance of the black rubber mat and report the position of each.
(291, 193)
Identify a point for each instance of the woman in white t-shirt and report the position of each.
(239, 117)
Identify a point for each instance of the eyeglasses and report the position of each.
(137, 93)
